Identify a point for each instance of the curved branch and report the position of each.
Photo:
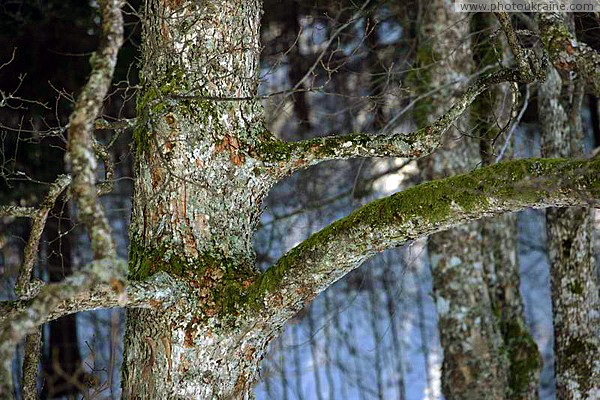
(81, 129)
(24, 287)
(18, 211)
(328, 255)
(287, 157)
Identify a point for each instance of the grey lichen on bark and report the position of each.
(24, 286)
(574, 282)
(287, 157)
(329, 254)
(31, 361)
(520, 356)
(472, 366)
(567, 53)
(80, 153)
(197, 200)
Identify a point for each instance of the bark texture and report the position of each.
(574, 281)
(204, 163)
(473, 366)
(520, 356)
(197, 200)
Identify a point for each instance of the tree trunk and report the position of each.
(574, 285)
(473, 366)
(197, 200)
(499, 247)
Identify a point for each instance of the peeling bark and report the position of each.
(197, 200)
(567, 53)
(201, 315)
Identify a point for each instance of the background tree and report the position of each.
(205, 161)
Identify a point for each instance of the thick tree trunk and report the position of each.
(574, 285)
(197, 200)
(473, 366)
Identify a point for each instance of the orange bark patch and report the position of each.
(154, 303)
(155, 177)
(190, 333)
(240, 384)
(116, 285)
(232, 145)
(249, 352)
(172, 3)
(570, 49)
(170, 118)
(184, 364)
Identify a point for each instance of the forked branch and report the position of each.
(24, 287)
(287, 157)
(97, 286)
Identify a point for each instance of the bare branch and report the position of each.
(288, 157)
(31, 361)
(328, 255)
(17, 211)
(566, 52)
(520, 54)
(81, 128)
(109, 171)
(24, 287)
(100, 285)
(118, 125)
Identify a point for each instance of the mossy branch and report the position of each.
(287, 157)
(331, 253)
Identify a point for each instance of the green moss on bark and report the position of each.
(438, 202)
(577, 359)
(222, 283)
(523, 356)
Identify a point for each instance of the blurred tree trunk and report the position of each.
(63, 375)
(574, 285)
(499, 234)
(473, 366)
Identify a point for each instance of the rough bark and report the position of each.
(473, 366)
(197, 200)
(80, 153)
(204, 163)
(329, 254)
(574, 281)
(521, 358)
(31, 362)
(567, 53)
